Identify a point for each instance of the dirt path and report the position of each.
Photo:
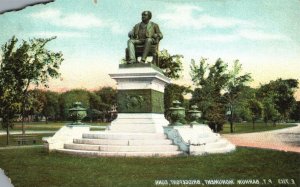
(287, 139)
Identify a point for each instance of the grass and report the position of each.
(37, 167)
(12, 141)
(238, 127)
(42, 126)
(247, 127)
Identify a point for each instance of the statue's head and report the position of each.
(146, 16)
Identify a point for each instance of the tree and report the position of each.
(234, 88)
(108, 97)
(282, 94)
(295, 115)
(269, 110)
(256, 110)
(67, 99)
(29, 63)
(242, 111)
(210, 81)
(174, 92)
(36, 103)
(51, 105)
(170, 64)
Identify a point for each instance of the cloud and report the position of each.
(191, 17)
(252, 34)
(64, 34)
(218, 38)
(75, 20)
(115, 27)
(248, 34)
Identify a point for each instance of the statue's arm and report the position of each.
(158, 32)
(130, 34)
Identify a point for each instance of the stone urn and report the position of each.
(194, 115)
(177, 113)
(77, 113)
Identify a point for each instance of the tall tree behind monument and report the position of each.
(29, 63)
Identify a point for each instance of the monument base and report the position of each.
(140, 128)
(198, 140)
(139, 123)
(65, 135)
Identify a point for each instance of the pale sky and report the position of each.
(262, 34)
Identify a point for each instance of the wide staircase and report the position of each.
(107, 143)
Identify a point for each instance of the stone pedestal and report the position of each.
(198, 140)
(140, 99)
(65, 135)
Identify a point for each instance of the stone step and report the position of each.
(119, 154)
(124, 136)
(226, 149)
(148, 148)
(207, 149)
(122, 142)
(86, 147)
(221, 143)
(133, 128)
(206, 140)
(124, 148)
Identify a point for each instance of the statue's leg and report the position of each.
(147, 47)
(131, 50)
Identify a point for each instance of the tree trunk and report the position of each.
(46, 119)
(7, 134)
(23, 130)
(231, 122)
(253, 124)
(231, 126)
(266, 122)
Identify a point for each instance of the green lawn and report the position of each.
(51, 126)
(37, 167)
(239, 127)
(247, 127)
(13, 142)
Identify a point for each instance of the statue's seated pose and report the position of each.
(144, 39)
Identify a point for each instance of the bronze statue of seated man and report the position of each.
(145, 33)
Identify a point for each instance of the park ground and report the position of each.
(34, 165)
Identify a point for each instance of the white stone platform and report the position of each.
(109, 143)
(198, 140)
(177, 140)
(139, 123)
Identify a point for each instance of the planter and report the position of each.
(177, 113)
(77, 113)
(194, 115)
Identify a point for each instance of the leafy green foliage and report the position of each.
(281, 93)
(108, 98)
(234, 88)
(269, 110)
(210, 81)
(218, 88)
(174, 92)
(256, 109)
(29, 63)
(67, 99)
(170, 64)
(295, 115)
